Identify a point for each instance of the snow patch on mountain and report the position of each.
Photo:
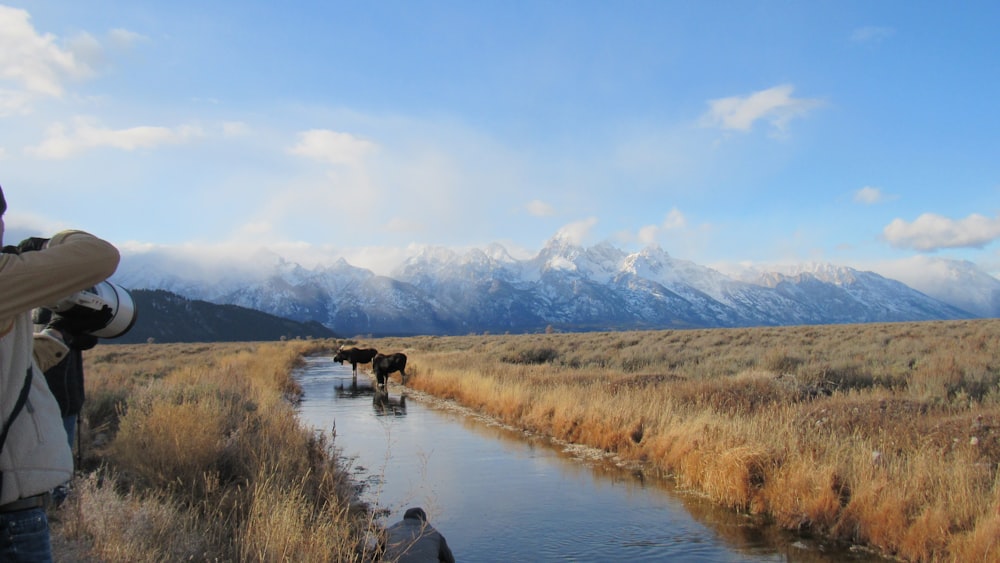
(441, 291)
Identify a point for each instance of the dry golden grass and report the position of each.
(194, 453)
(886, 435)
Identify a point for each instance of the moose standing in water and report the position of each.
(384, 365)
(355, 356)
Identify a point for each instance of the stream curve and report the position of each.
(500, 495)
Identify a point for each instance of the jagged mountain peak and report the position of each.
(823, 271)
(434, 255)
(654, 252)
(560, 246)
(342, 267)
(653, 260)
(771, 275)
(441, 291)
(656, 264)
(438, 257)
(439, 262)
(498, 253)
(600, 263)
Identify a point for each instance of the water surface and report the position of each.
(498, 495)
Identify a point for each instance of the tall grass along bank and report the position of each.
(883, 435)
(193, 452)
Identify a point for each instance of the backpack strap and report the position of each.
(22, 398)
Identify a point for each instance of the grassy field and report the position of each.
(193, 452)
(886, 435)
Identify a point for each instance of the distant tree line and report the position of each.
(163, 316)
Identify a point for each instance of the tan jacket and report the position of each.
(36, 456)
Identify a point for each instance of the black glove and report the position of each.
(82, 341)
(33, 243)
(74, 340)
(82, 321)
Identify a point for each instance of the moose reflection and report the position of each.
(382, 402)
(385, 405)
(353, 391)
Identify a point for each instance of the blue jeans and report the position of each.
(59, 493)
(24, 537)
(69, 423)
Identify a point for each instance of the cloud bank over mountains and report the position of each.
(931, 232)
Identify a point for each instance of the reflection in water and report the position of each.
(353, 390)
(384, 404)
(498, 495)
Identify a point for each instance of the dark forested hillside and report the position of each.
(167, 317)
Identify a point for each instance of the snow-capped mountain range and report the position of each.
(565, 286)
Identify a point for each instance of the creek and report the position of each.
(497, 494)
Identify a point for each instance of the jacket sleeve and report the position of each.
(48, 349)
(72, 261)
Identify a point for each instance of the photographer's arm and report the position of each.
(70, 262)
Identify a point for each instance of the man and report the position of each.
(34, 454)
(414, 540)
(66, 378)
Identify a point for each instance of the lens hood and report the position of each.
(123, 313)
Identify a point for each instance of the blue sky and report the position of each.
(857, 133)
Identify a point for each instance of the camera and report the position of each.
(84, 304)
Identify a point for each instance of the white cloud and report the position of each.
(124, 38)
(382, 259)
(539, 208)
(673, 221)
(86, 49)
(872, 34)
(649, 234)
(14, 102)
(577, 231)
(775, 105)
(401, 225)
(20, 225)
(931, 232)
(870, 195)
(332, 147)
(35, 64)
(967, 285)
(88, 133)
(235, 129)
(32, 62)
(255, 230)
(218, 259)
(921, 272)
(345, 186)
